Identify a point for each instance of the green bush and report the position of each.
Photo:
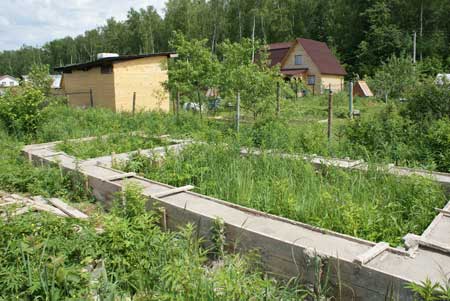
(429, 101)
(21, 110)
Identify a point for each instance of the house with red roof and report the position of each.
(310, 62)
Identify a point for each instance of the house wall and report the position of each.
(336, 82)
(322, 80)
(144, 76)
(102, 86)
(289, 63)
(8, 82)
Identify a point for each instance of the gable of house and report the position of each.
(305, 54)
(8, 81)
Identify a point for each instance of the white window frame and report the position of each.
(300, 57)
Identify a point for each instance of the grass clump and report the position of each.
(372, 205)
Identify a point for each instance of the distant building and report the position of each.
(56, 81)
(309, 61)
(8, 81)
(114, 79)
(442, 78)
(361, 89)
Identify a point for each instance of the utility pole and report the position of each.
(330, 112)
(414, 47)
(421, 28)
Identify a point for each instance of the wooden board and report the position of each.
(67, 209)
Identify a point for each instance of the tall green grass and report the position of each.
(113, 143)
(372, 205)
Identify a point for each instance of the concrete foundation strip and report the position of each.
(369, 269)
(171, 191)
(372, 253)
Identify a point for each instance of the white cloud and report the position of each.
(34, 22)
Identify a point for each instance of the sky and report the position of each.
(34, 22)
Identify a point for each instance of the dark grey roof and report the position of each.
(100, 62)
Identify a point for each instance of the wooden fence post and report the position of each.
(91, 97)
(178, 103)
(350, 98)
(238, 110)
(278, 98)
(134, 103)
(330, 112)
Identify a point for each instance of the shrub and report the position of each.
(21, 110)
(429, 101)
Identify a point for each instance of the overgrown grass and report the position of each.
(49, 258)
(372, 205)
(113, 143)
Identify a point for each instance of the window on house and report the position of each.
(4, 84)
(311, 80)
(106, 69)
(11, 83)
(298, 59)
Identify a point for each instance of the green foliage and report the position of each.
(370, 205)
(362, 33)
(395, 78)
(114, 143)
(429, 101)
(383, 37)
(429, 291)
(21, 110)
(39, 78)
(45, 257)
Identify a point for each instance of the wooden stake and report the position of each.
(238, 110)
(134, 103)
(330, 112)
(91, 97)
(278, 98)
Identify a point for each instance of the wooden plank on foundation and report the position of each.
(67, 209)
(412, 240)
(122, 176)
(172, 191)
(372, 253)
(443, 211)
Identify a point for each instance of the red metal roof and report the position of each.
(322, 56)
(319, 53)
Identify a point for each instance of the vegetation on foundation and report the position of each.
(50, 258)
(372, 205)
(114, 143)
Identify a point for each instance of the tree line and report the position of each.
(362, 34)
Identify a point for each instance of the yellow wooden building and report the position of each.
(309, 61)
(116, 82)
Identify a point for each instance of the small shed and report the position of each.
(361, 89)
(118, 82)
